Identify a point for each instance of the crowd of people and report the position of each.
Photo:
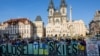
(18, 41)
(81, 42)
(67, 41)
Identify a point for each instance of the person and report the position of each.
(99, 46)
(36, 47)
(0, 50)
(81, 47)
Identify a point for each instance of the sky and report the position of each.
(82, 9)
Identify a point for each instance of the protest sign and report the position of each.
(92, 48)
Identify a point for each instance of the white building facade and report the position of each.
(15, 28)
(59, 23)
(38, 27)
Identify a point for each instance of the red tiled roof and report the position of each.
(17, 20)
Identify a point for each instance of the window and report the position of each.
(51, 35)
(57, 20)
(63, 10)
(51, 12)
(63, 35)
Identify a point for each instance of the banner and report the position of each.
(22, 50)
(92, 48)
(58, 49)
(51, 49)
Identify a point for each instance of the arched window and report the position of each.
(63, 35)
(51, 35)
(63, 10)
(56, 35)
(57, 20)
(51, 12)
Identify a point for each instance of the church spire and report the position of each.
(51, 5)
(70, 14)
(63, 3)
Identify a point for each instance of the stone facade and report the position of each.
(38, 27)
(20, 27)
(59, 25)
(94, 26)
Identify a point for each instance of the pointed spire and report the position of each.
(70, 14)
(51, 4)
(63, 3)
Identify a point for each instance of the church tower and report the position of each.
(58, 23)
(51, 10)
(63, 10)
(58, 16)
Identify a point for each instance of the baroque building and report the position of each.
(94, 26)
(15, 28)
(38, 27)
(60, 25)
(23, 28)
